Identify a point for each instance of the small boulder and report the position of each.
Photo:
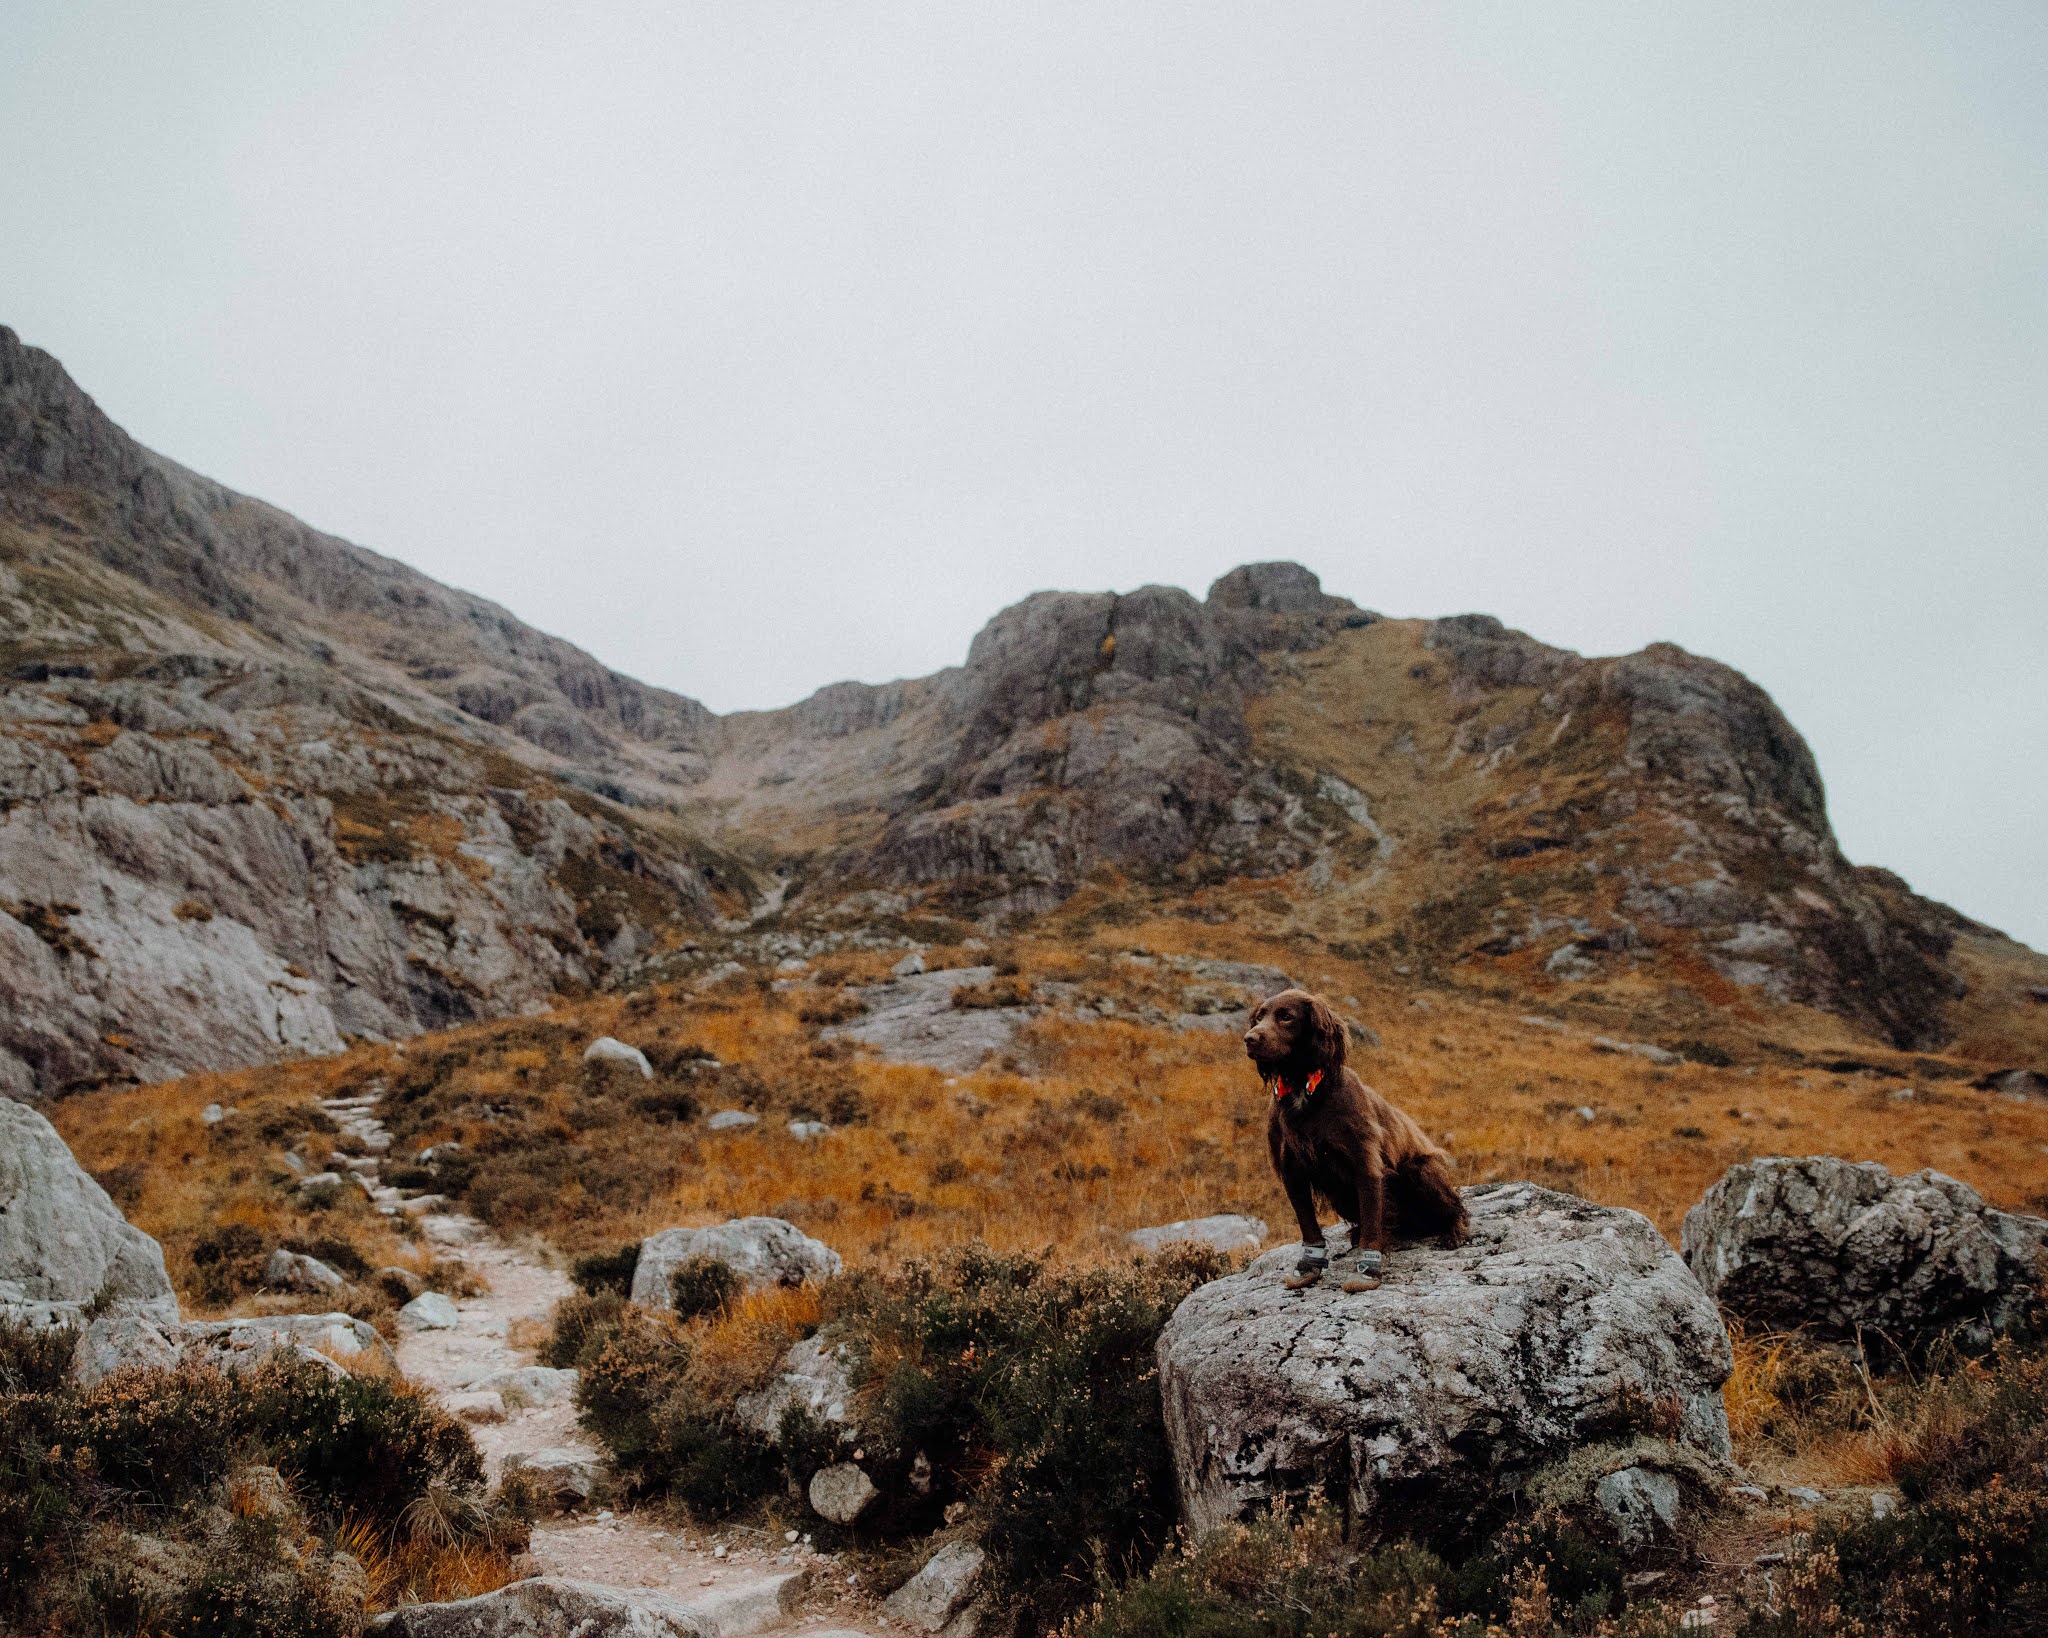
(1226, 1233)
(429, 1311)
(728, 1120)
(395, 1280)
(910, 966)
(1834, 1247)
(524, 1385)
(940, 1591)
(605, 1050)
(544, 1607)
(814, 1377)
(841, 1492)
(295, 1271)
(762, 1251)
(807, 1130)
(565, 1478)
(318, 1181)
(1641, 1504)
(63, 1243)
(1560, 1322)
(478, 1405)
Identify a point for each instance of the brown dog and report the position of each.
(1334, 1136)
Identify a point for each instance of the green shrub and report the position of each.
(702, 1285)
(578, 1321)
(1033, 1393)
(606, 1270)
(230, 1261)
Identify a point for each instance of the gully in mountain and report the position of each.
(1332, 1135)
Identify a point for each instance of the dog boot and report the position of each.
(1367, 1278)
(1309, 1268)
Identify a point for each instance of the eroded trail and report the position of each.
(731, 1582)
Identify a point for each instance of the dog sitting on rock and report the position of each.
(1332, 1135)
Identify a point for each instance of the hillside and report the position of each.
(263, 791)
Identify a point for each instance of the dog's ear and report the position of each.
(1325, 1032)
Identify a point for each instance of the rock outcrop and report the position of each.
(943, 1591)
(1225, 1232)
(760, 1250)
(815, 1377)
(1561, 1326)
(549, 1607)
(1839, 1249)
(64, 1246)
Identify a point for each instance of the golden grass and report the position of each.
(1097, 1128)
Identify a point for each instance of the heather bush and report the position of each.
(606, 1270)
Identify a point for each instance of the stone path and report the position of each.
(727, 1583)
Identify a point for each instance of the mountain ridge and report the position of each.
(262, 790)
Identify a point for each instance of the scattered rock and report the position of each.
(1834, 1247)
(451, 1229)
(63, 1243)
(429, 1311)
(807, 1130)
(910, 965)
(1636, 1049)
(841, 1492)
(1227, 1232)
(478, 1405)
(319, 1180)
(423, 1204)
(761, 1250)
(1641, 1504)
(566, 1478)
(395, 1280)
(547, 1607)
(1557, 1323)
(524, 1385)
(213, 1114)
(727, 1120)
(913, 1021)
(295, 1271)
(941, 1590)
(814, 1377)
(605, 1050)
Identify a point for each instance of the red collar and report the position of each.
(1281, 1088)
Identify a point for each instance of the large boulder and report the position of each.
(134, 1337)
(816, 1378)
(942, 1591)
(760, 1250)
(1560, 1325)
(1834, 1247)
(63, 1244)
(548, 1607)
(1227, 1232)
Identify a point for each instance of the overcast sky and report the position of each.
(757, 346)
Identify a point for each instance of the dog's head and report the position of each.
(1292, 1034)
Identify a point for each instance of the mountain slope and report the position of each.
(261, 789)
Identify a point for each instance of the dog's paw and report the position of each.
(1302, 1277)
(1361, 1282)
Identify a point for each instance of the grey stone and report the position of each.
(566, 1477)
(940, 1591)
(429, 1311)
(63, 1243)
(549, 1607)
(1641, 1504)
(814, 1377)
(605, 1050)
(909, 965)
(913, 1020)
(809, 1130)
(728, 1120)
(1225, 1233)
(295, 1271)
(319, 1180)
(524, 1385)
(841, 1492)
(1557, 1320)
(475, 1405)
(1836, 1248)
(760, 1250)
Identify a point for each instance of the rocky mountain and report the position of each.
(262, 789)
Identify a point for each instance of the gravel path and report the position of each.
(731, 1582)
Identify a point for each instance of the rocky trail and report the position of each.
(468, 1352)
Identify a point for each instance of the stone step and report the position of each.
(750, 1606)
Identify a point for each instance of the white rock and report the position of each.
(550, 1607)
(1640, 1503)
(605, 1050)
(1226, 1232)
(841, 1492)
(566, 1476)
(910, 965)
(727, 1120)
(760, 1250)
(523, 1385)
(480, 1405)
(430, 1311)
(320, 1180)
(451, 1229)
(213, 1114)
(941, 1590)
(63, 1243)
(421, 1205)
(807, 1130)
(814, 1376)
(295, 1271)
(1554, 1321)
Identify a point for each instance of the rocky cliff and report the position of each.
(261, 789)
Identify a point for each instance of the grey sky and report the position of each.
(757, 346)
